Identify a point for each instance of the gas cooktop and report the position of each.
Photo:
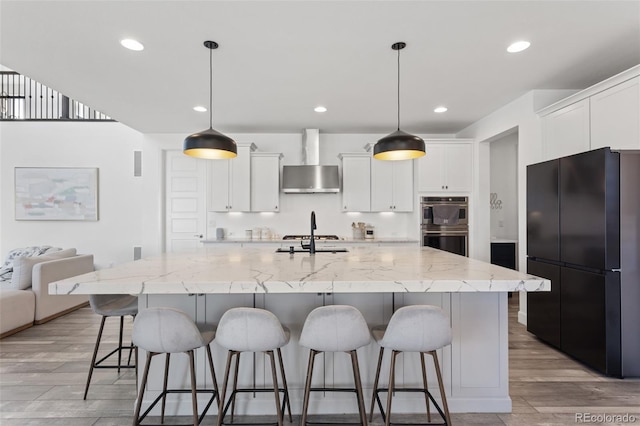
(308, 237)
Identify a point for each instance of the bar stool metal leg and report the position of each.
(357, 380)
(143, 385)
(235, 385)
(223, 391)
(374, 394)
(120, 342)
(213, 373)
(93, 358)
(445, 406)
(426, 386)
(286, 402)
(307, 387)
(392, 380)
(164, 385)
(276, 389)
(194, 394)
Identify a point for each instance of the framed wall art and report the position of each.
(56, 193)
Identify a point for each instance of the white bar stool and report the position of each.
(418, 328)
(111, 305)
(252, 330)
(168, 330)
(335, 328)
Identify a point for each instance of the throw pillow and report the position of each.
(23, 267)
(7, 267)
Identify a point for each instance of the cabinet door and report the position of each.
(458, 167)
(403, 186)
(240, 182)
(381, 186)
(566, 131)
(615, 116)
(219, 185)
(431, 169)
(265, 183)
(356, 183)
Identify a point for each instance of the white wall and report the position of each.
(108, 146)
(504, 183)
(518, 115)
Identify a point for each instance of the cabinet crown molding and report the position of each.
(591, 90)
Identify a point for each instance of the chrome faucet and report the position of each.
(312, 243)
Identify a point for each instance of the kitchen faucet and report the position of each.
(312, 243)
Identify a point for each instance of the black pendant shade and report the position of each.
(210, 144)
(399, 145)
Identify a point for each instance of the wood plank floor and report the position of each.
(43, 370)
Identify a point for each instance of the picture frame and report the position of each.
(56, 193)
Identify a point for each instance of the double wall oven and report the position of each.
(445, 224)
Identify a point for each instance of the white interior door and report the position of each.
(186, 212)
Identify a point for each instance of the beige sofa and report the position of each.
(20, 309)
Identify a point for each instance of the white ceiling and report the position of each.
(279, 59)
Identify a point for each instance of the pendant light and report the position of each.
(210, 143)
(399, 145)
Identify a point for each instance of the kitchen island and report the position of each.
(376, 280)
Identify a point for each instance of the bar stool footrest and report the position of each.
(253, 390)
(420, 390)
(113, 352)
(168, 391)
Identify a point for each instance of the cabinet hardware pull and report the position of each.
(198, 235)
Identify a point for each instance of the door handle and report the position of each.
(198, 235)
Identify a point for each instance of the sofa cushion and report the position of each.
(23, 267)
(16, 309)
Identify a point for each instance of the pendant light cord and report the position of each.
(210, 88)
(398, 89)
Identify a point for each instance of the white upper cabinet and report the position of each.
(615, 116)
(391, 186)
(356, 182)
(265, 182)
(605, 114)
(446, 167)
(230, 182)
(566, 131)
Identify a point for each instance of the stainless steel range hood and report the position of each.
(310, 177)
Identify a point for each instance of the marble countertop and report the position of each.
(318, 242)
(364, 269)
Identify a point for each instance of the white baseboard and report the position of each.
(522, 317)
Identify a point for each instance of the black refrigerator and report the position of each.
(583, 233)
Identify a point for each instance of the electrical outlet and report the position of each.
(501, 223)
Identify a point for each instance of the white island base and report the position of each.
(376, 280)
(474, 367)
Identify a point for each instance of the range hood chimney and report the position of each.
(310, 177)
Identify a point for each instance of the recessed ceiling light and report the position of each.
(440, 109)
(132, 44)
(199, 109)
(320, 109)
(518, 46)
